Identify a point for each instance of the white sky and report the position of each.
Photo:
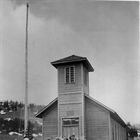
(104, 32)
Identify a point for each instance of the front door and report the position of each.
(70, 127)
(71, 130)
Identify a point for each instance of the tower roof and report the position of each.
(73, 59)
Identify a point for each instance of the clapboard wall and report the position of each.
(50, 122)
(96, 121)
(118, 132)
(71, 95)
(72, 87)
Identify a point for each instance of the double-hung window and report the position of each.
(70, 74)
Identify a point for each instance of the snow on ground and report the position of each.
(2, 112)
(16, 133)
(39, 134)
(8, 119)
(40, 123)
(34, 135)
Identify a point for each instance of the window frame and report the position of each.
(69, 81)
(70, 125)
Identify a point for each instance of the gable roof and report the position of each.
(73, 59)
(42, 111)
(113, 114)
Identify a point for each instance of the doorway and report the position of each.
(70, 127)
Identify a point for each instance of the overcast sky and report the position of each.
(104, 32)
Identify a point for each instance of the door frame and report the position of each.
(71, 117)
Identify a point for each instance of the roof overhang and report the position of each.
(73, 59)
(113, 114)
(44, 110)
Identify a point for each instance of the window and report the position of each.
(67, 75)
(85, 77)
(70, 74)
(70, 121)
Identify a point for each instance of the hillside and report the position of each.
(137, 126)
(12, 119)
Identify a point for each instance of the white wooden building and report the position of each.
(74, 112)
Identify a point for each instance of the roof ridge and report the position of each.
(100, 103)
(65, 58)
(109, 109)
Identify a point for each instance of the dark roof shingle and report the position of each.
(71, 59)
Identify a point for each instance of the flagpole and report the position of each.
(26, 74)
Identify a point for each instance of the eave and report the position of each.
(42, 111)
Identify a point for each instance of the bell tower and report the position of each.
(73, 83)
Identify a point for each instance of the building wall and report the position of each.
(136, 138)
(129, 138)
(70, 97)
(62, 86)
(50, 123)
(79, 77)
(85, 85)
(97, 121)
(118, 132)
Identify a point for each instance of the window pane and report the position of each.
(71, 121)
(67, 75)
(72, 74)
(75, 121)
(66, 121)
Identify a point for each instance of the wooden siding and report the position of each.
(118, 132)
(83, 100)
(50, 123)
(84, 119)
(71, 96)
(68, 110)
(74, 97)
(97, 122)
(71, 87)
(86, 87)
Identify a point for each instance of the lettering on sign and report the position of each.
(70, 113)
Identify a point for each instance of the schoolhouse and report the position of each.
(74, 112)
